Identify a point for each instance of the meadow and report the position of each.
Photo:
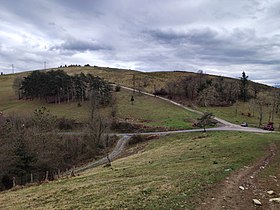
(146, 110)
(172, 172)
(239, 114)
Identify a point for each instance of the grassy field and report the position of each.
(146, 110)
(154, 112)
(229, 113)
(148, 81)
(170, 173)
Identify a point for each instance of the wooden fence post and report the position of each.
(31, 178)
(14, 181)
(47, 176)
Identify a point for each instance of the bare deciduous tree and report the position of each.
(205, 120)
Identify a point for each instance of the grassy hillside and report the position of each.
(152, 111)
(170, 173)
(146, 110)
(229, 113)
(149, 82)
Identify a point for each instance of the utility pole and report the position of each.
(13, 69)
(45, 65)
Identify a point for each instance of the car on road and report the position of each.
(269, 126)
(244, 124)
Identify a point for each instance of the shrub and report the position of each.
(161, 92)
(124, 126)
(136, 139)
(66, 124)
(118, 88)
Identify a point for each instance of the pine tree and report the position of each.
(244, 87)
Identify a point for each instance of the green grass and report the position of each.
(146, 110)
(169, 174)
(153, 111)
(149, 81)
(229, 114)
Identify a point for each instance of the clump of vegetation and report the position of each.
(206, 90)
(118, 88)
(32, 149)
(121, 126)
(205, 120)
(58, 87)
(161, 92)
(136, 139)
(66, 124)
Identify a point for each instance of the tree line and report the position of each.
(57, 87)
(205, 90)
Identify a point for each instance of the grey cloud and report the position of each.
(202, 36)
(221, 37)
(80, 46)
(239, 46)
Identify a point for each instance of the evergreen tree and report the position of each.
(58, 87)
(244, 87)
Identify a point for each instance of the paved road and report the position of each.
(113, 155)
(223, 122)
(124, 137)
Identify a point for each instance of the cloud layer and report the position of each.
(220, 37)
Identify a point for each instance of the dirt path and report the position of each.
(116, 153)
(223, 122)
(228, 195)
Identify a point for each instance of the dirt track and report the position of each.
(228, 195)
(116, 153)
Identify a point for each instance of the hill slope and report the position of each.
(172, 172)
(146, 110)
(148, 81)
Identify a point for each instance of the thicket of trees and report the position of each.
(205, 90)
(58, 87)
(266, 102)
(30, 147)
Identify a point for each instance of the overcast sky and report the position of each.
(221, 37)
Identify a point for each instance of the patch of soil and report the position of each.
(228, 195)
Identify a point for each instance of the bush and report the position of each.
(140, 138)
(7, 182)
(136, 139)
(161, 92)
(124, 127)
(66, 124)
(118, 88)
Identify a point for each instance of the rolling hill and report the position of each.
(173, 172)
(146, 81)
(178, 171)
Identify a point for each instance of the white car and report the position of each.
(244, 124)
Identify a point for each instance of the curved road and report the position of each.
(119, 148)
